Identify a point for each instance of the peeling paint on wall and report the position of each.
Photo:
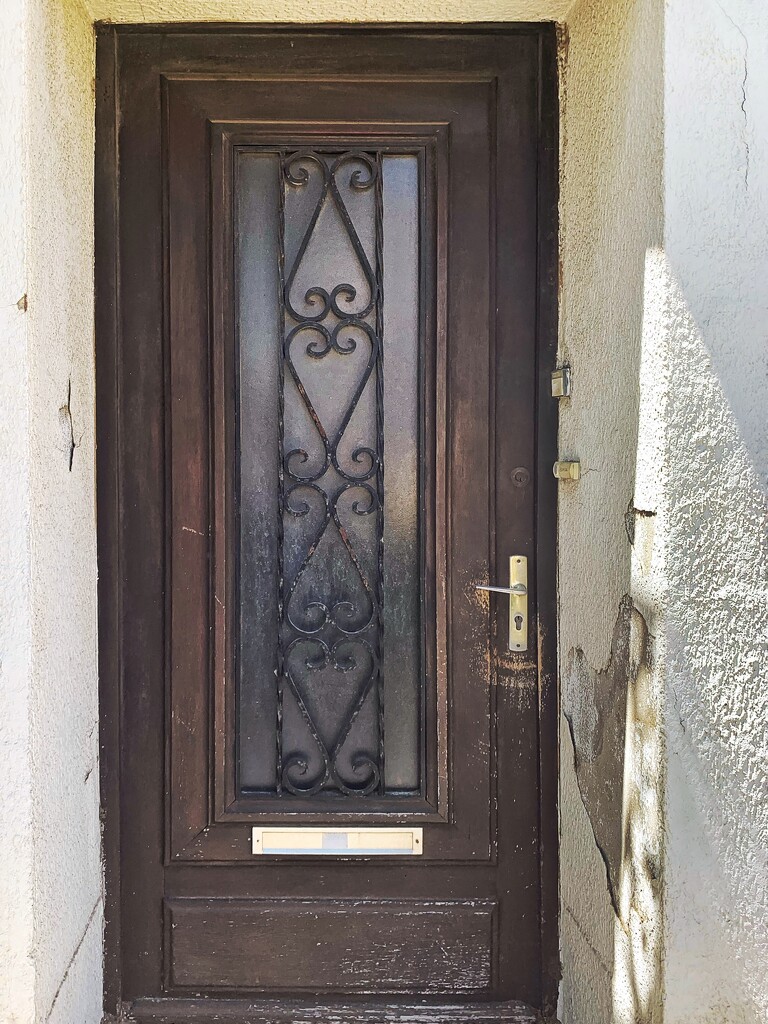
(611, 216)
(597, 723)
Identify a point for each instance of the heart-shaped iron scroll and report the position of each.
(331, 593)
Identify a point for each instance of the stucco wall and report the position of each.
(664, 321)
(63, 705)
(139, 11)
(50, 870)
(609, 552)
(716, 241)
(16, 963)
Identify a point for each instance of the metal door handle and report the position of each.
(518, 588)
(518, 601)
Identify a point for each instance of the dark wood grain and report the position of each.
(200, 610)
(227, 138)
(175, 828)
(220, 1011)
(108, 501)
(546, 525)
(391, 946)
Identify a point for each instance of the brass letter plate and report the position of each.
(337, 842)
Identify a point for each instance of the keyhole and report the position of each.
(518, 622)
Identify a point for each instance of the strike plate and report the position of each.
(567, 470)
(561, 382)
(337, 842)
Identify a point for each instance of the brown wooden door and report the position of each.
(325, 324)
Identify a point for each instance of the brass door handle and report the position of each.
(518, 601)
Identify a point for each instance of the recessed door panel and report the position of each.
(386, 946)
(328, 469)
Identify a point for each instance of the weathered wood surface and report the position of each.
(338, 945)
(167, 834)
(286, 1012)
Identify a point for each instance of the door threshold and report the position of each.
(268, 1011)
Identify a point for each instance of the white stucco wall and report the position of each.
(716, 242)
(50, 864)
(64, 708)
(140, 11)
(609, 629)
(664, 321)
(16, 891)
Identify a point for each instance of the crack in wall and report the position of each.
(68, 427)
(587, 941)
(72, 959)
(598, 844)
(745, 79)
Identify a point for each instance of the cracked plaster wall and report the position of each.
(50, 864)
(664, 630)
(716, 189)
(609, 549)
(64, 707)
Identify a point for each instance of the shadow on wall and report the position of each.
(716, 703)
(610, 537)
(613, 947)
(667, 739)
(663, 619)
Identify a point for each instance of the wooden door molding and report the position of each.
(228, 139)
(193, 833)
(222, 1011)
(139, 70)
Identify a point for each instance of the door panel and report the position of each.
(328, 395)
(454, 131)
(384, 946)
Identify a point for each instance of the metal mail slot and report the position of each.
(337, 842)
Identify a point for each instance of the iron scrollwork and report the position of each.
(327, 631)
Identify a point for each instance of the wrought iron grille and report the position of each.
(325, 622)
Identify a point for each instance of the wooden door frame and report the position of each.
(108, 433)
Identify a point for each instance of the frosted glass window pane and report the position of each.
(315, 356)
(402, 634)
(257, 285)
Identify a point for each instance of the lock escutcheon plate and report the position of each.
(518, 603)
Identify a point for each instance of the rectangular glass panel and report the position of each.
(402, 563)
(257, 282)
(329, 653)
